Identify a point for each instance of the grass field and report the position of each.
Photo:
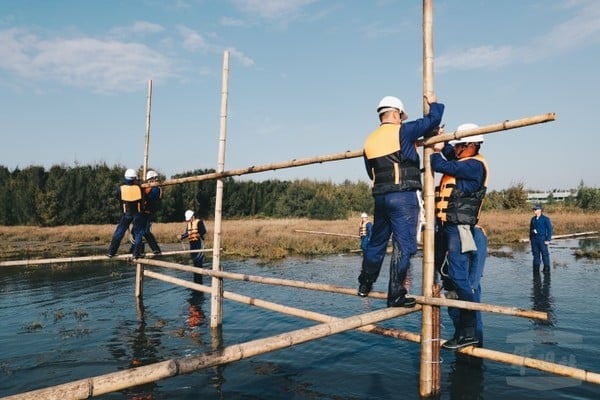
(264, 238)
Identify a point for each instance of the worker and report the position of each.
(130, 197)
(194, 232)
(364, 230)
(150, 204)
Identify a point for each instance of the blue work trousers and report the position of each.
(137, 231)
(396, 214)
(540, 248)
(477, 264)
(464, 272)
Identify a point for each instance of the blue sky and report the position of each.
(305, 78)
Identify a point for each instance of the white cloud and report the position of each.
(192, 40)
(245, 60)
(138, 28)
(475, 58)
(103, 66)
(273, 9)
(581, 30)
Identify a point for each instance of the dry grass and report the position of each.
(261, 238)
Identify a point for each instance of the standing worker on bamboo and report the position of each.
(393, 165)
(540, 235)
(459, 198)
(152, 197)
(130, 197)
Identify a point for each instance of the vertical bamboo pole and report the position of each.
(216, 304)
(147, 141)
(139, 280)
(427, 379)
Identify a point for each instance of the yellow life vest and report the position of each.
(453, 206)
(131, 198)
(193, 231)
(389, 169)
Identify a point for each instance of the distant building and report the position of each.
(557, 195)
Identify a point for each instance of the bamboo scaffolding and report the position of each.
(103, 384)
(435, 301)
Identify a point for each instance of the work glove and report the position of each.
(451, 295)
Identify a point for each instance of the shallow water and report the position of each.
(67, 322)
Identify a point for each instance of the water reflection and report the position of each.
(466, 381)
(541, 298)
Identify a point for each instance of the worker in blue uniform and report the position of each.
(393, 165)
(459, 198)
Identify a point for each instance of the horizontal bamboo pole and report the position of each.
(297, 312)
(91, 258)
(326, 233)
(493, 355)
(566, 236)
(505, 125)
(557, 369)
(103, 384)
(436, 301)
(482, 130)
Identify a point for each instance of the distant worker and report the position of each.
(130, 197)
(540, 235)
(194, 232)
(392, 162)
(152, 195)
(364, 231)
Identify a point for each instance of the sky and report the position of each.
(305, 77)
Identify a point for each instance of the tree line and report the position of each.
(74, 195)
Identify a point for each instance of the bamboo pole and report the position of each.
(147, 140)
(428, 382)
(326, 233)
(40, 261)
(349, 154)
(296, 312)
(103, 384)
(540, 365)
(435, 301)
(497, 127)
(139, 280)
(216, 304)
(566, 236)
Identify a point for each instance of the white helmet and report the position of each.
(188, 215)
(468, 139)
(130, 174)
(391, 102)
(151, 174)
(364, 215)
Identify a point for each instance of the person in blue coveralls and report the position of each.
(540, 235)
(463, 245)
(393, 165)
(130, 197)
